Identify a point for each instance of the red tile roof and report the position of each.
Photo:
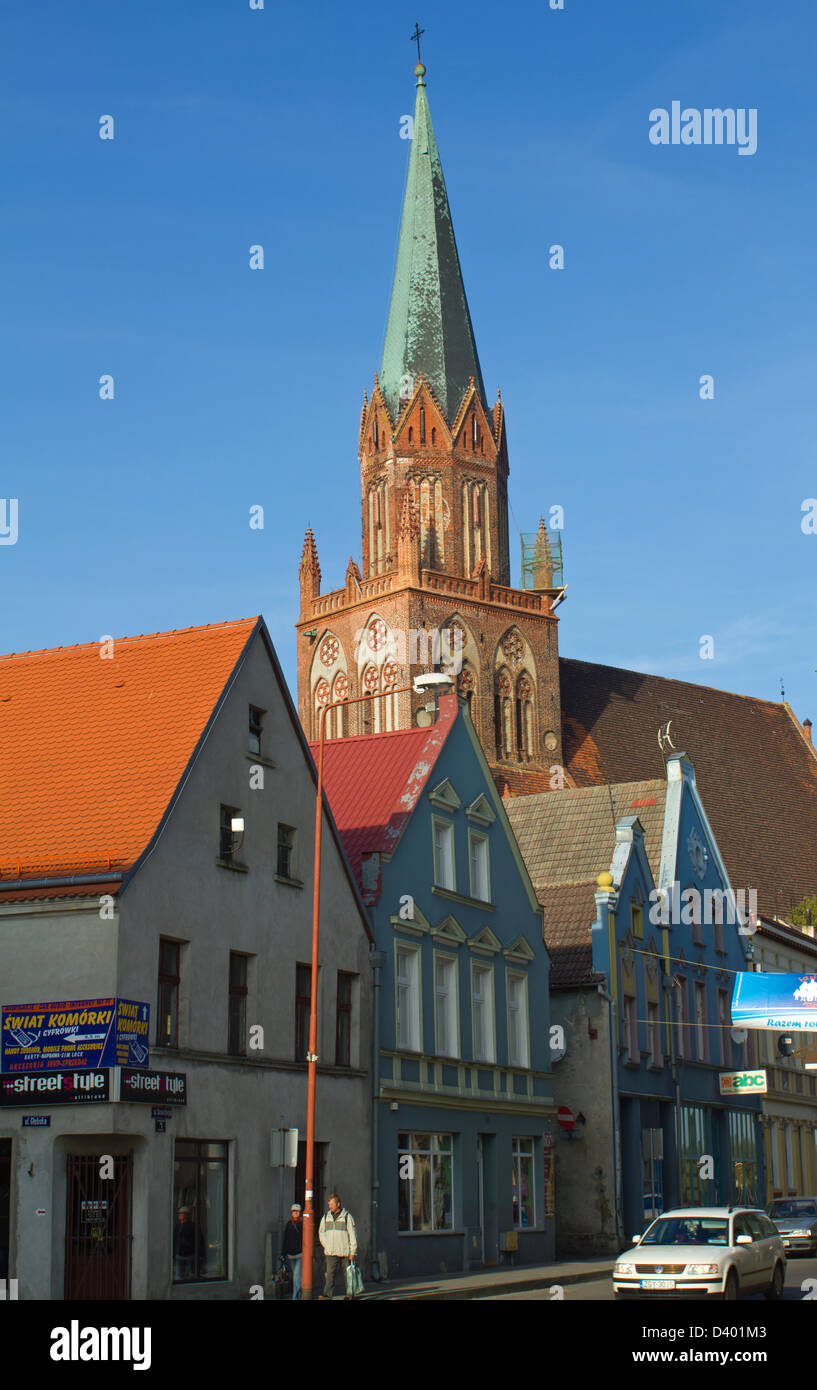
(755, 771)
(373, 783)
(93, 747)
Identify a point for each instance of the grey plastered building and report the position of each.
(121, 877)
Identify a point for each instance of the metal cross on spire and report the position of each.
(415, 38)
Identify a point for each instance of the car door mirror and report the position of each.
(744, 1240)
(636, 1240)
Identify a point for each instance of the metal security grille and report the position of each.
(98, 1228)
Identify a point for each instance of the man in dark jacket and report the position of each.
(293, 1248)
(184, 1244)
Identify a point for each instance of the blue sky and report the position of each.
(281, 127)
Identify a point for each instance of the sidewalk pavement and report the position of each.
(483, 1283)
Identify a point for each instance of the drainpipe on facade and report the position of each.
(377, 960)
(616, 1125)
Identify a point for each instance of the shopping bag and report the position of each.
(354, 1281)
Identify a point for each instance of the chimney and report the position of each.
(807, 729)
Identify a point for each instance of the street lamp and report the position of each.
(425, 682)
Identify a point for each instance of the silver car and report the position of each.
(704, 1252)
(796, 1220)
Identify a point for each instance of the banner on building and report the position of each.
(75, 1033)
(53, 1087)
(774, 1001)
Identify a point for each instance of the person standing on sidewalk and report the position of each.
(293, 1248)
(338, 1237)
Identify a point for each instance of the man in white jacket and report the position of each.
(338, 1237)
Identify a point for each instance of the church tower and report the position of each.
(433, 590)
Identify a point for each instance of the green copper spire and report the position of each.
(429, 328)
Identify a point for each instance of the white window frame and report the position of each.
(451, 1006)
(522, 1058)
(484, 972)
(516, 1145)
(475, 837)
(437, 822)
(434, 1154)
(411, 984)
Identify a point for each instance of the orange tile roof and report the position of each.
(92, 747)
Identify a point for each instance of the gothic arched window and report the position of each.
(503, 715)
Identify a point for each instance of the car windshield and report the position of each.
(686, 1230)
(792, 1208)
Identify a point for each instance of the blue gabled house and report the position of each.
(646, 936)
(463, 1108)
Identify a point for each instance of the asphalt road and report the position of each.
(599, 1290)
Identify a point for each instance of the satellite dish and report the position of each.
(739, 1035)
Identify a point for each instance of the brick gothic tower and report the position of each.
(434, 589)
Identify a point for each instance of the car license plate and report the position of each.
(658, 1283)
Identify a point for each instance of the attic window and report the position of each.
(256, 728)
(422, 425)
(433, 435)
(474, 430)
(374, 431)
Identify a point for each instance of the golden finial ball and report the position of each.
(605, 882)
(419, 71)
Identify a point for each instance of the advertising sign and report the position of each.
(64, 1087)
(170, 1087)
(774, 1001)
(743, 1083)
(74, 1033)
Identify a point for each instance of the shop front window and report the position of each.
(199, 1211)
(524, 1208)
(425, 1198)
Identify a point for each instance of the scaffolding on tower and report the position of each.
(542, 559)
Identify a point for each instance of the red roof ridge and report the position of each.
(135, 637)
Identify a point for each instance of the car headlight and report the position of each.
(702, 1269)
(624, 1269)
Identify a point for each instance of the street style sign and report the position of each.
(774, 1001)
(74, 1033)
(169, 1087)
(63, 1087)
(742, 1083)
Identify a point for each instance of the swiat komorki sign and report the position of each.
(73, 1087)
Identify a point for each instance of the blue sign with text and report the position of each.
(75, 1033)
(774, 1001)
